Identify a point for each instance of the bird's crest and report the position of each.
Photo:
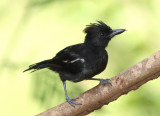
(96, 26)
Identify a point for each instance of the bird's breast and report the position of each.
(95, 64)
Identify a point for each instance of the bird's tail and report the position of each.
(38, 66)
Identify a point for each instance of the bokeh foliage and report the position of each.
(34, 30)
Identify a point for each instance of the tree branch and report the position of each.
(95, 98)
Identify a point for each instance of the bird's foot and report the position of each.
(71, 102)
(104, 81)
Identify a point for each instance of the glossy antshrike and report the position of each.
(82, 61)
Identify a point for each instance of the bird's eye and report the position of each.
(102, 34)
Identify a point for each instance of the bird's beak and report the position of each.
(116, 32)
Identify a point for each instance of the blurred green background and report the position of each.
(35, 30)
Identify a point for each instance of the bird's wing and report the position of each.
(69, 59)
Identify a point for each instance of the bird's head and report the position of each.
(99, 34)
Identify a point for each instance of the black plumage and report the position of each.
(82, 61)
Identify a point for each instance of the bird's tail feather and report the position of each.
(38, 66)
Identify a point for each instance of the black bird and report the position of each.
(82, 61)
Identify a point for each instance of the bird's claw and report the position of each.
(104, 81)
(71, 102)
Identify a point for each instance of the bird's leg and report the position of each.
(70, 101)
(102, 80)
